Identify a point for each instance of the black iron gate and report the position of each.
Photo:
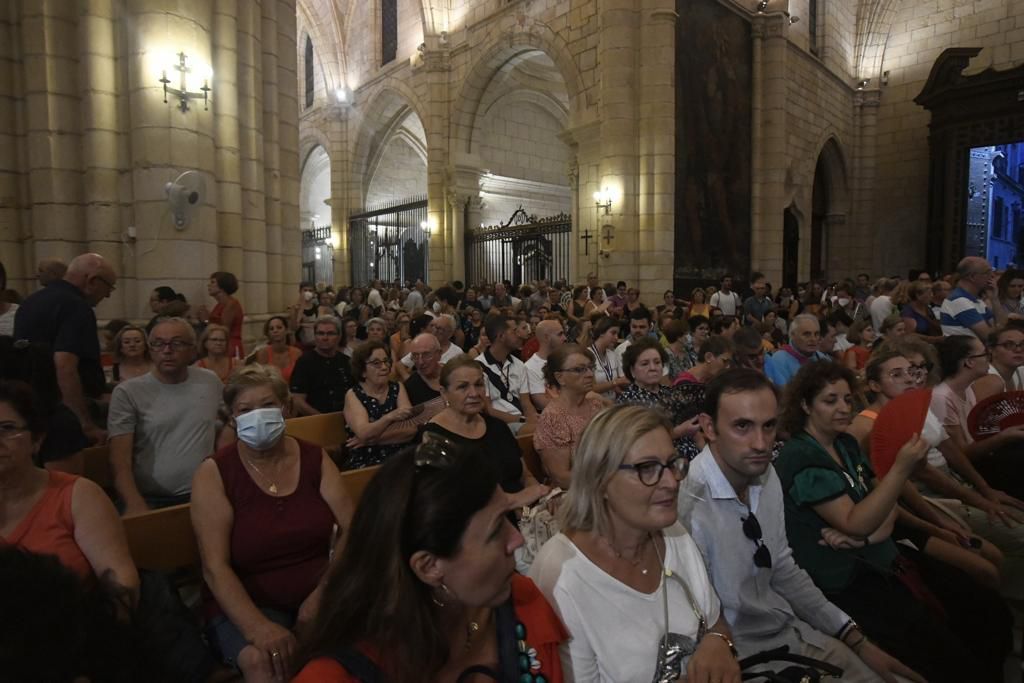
(317, 255)
(389, 242)
(523, 249)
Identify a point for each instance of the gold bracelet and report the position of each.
(728, 641)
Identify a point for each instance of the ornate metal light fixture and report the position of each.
(182, 92)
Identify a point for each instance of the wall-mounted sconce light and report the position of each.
(318, 253)
(603, 200)
(425, 227)
(443, 37)
(335, 241)
(343, 95)
(885, 78)
(762, 6)
(863, 83)
(182, 92)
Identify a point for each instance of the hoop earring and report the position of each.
(436, 600)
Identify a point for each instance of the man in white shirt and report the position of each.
(639, 327)
(442, 327)
(414, 302)
(505, 376)
(373, 298)
(550, 335)
(726, 300)
(731, 494)
(881, 306)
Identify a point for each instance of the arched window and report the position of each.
(388, 31)
(309, 73)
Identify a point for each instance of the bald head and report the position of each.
(426, 355)
(550, 336)
(975, 274)
(93, 276)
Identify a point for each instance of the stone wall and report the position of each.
(88, 144)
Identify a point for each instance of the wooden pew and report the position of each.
(326, 431)
(162, 540)
(531, 458)
(355, 482)
(96, 466)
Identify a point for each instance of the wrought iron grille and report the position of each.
(317, 255)
(389, 242)
(523, 249)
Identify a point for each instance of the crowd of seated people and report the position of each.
(716, 513)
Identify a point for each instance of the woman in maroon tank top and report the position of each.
(264, 511)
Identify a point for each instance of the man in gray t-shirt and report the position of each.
(163, 424)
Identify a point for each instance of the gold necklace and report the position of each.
(635, 562)
(273, 487)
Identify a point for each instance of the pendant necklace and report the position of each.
(273, 487)
(635, 562)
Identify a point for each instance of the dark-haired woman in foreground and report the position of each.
(426, 588)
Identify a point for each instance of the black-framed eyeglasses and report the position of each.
(174, 344)
(649, 472)
(983, 354)
(379, 363)
(106, 282)
(1012, 346)
(752, 530)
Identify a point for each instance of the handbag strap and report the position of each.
(356, 663)
(508, 655)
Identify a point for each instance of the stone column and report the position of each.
(458, 203)
(48, 40)
(226, 133)
(285, 280)
(769, 149)
(436, 67)
(863, 256)
(165, 142)
(657, 145)
(100, 126)
(251, 147)
(618, 170)
(12, 253)
(573, 174)
(341, 162)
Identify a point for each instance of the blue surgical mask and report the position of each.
(260, 429)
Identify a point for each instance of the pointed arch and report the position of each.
(502, 45)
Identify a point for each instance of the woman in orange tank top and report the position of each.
(54, 513)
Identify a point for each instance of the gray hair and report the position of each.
(329, 320)
(190, 332)
(602, 448)
(380, 321)
(802, 317)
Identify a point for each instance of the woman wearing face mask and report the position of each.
(264, 511)
(303, 314)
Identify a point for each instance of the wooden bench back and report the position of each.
(531, 458)
(96, 466)
(162, 540)
(326, 431)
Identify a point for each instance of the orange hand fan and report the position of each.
(900, 419)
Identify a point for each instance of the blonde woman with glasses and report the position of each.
(624, 575)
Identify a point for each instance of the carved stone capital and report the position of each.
(867, 98)
(769, 25)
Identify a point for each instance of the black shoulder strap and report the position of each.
(357, 664)
(502, 388)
